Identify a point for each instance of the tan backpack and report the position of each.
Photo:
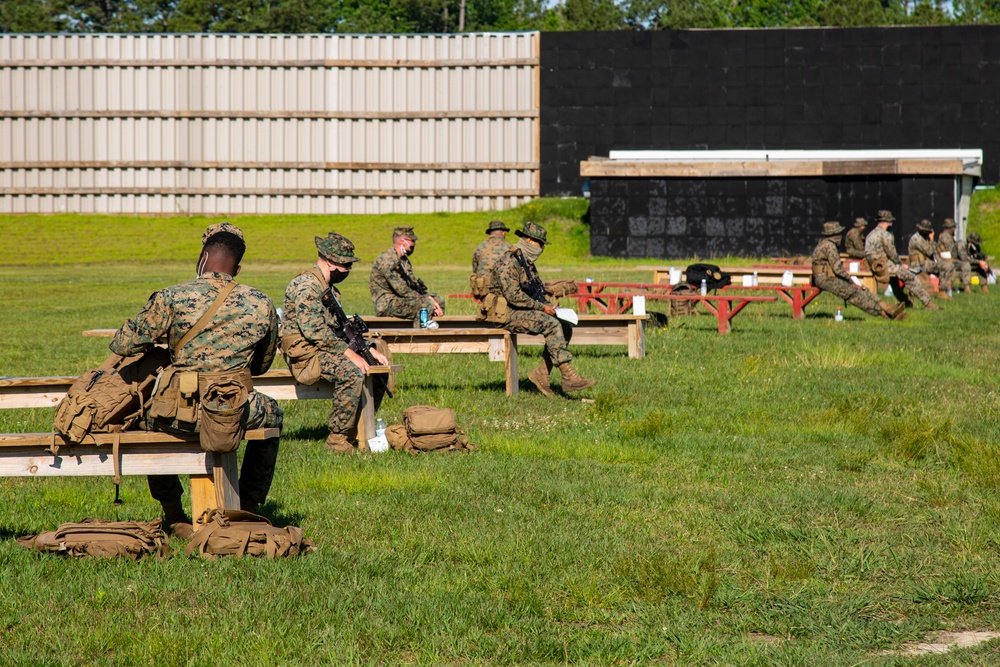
(109, 398)
(238, 533)
(102, 539)
(557, 289)
(426, 429)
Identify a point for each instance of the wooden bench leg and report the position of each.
(637, 340)
(219, 490)
(510, 343)
(366, 420)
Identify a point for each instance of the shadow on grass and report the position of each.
(307, 433)
(279, 517)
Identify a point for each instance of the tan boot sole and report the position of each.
(586, 384)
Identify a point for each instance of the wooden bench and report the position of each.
(214, 477)
(621, 329)
(46, 392)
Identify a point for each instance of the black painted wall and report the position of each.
(677, 218)
(835, 88)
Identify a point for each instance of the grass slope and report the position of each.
(796, 493)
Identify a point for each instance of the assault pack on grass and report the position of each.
(238, 533)
(427, 429)
(102, 539)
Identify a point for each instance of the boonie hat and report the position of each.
(860, 222)
(885, 216)
(925, 226)
(974, 237)
(949, 223)
(533, 230)
(405, 232)
(832, 228)
(212, 230)
(337, 248)
(496, 226)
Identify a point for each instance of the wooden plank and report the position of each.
(144, 438)
(912, 166)
(324, 166)
(226, 474)
(860, 167)
(90, 460)
(498, 348)
(290, 63)
(766, 169)
(203, 495)
(366, 418)
(512, 380)
(637, 340)
(286, 114)
(266, 192)
(441, 347)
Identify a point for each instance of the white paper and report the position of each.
(567, 315)
(786, 279)
(946, 255)
(675, 276)
(854, 267)
(378, 444)
(747, 280)
(858, 282)
(638, 305)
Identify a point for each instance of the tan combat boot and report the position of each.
(890, 312)
(932, 306)
(339, 444)
(572, 381)
(966, 289)
(986, 290)
(540, 376)
(943, 294)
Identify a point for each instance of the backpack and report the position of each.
(426, 429)
(238, 533)
(102, 539)
(109, 398)
(683, 308)
(713, 276)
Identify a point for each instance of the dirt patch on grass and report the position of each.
(988, 206)
(943, 642)
(761, 638)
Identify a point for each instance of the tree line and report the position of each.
(448, 16)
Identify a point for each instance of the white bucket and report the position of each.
(675, 276)
(638, 305)
(748, 280)
(786, 279)
(854, 267)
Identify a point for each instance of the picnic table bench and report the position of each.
(799, 296)
(724, 306)
(773, 274)
(214, 477)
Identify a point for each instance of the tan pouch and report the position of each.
(224, 403)
(302, 358)
(238, 533)
(479, 287)
(880, 269)
(187, 390)
(495, 308)
(166, 396)
(426, 419)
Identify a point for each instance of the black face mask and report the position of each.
(337, 276)
(411, 249)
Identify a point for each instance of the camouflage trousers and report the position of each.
(407, 308)
(348, 381)
(556, 332)
(963, 272)
(259, 458)
(859, 298)
(945, 271)
(904, 278)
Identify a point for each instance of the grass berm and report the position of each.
(795, 493)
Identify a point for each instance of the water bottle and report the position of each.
(423, 318)
(590, 280)
(839, 315)
(379, 428)
(704, 287)
(754, 278)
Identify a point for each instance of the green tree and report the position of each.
(31, 16)
(591, 15)
(678, 14)
(977, 11)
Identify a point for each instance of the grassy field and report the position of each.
(796, 493)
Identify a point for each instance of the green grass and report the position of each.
(796, 493)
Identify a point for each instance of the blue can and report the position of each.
(423, 317)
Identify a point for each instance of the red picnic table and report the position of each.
(726, 307)
(799, 296)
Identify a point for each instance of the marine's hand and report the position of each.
(983, 265)
(358, 361)
(379, 357)
(438, 312)
(549, 310)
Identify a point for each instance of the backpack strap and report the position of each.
(116, 442)
(207, 317)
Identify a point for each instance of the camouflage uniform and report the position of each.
(880, 246)
(974, 246)
(396, 291)
(526, 314)
(242, 334)
(959, 256)
(922, 251)
(829, 275)
(487, 254)
(305, 313)
(854, 242)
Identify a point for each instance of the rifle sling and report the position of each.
(207, 317)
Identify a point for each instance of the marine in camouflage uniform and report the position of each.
(242, 335)
(922, 252)
(854, 242)
(978, 260)
(395, 290)
(531, 314)
(829, 275)
(486, 255)
(959, 255)
(305, 317)
(881, 255)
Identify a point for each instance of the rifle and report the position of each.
(352, 331)
(416, 284)
(533, 287)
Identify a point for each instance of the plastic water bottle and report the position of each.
(590, 280)
(755, 279)
(704, 287)
(839, 315)
(379, 428)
